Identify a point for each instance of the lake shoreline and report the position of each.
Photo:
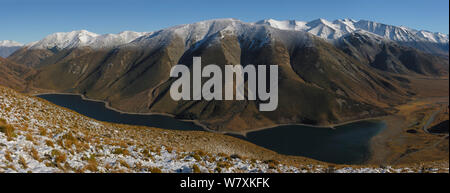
(72, 101)
(196, 122)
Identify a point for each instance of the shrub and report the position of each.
(8, 156)
(196, 156)
(69, 136)
(124, 163)
(92, 165)
(60, 157)
(23, 162)
(155, 170)
(35, 154)
(121, 151)
(222, 155)
(29, 137)
(224, 164)
(49, 143)
(42, 131)
(146, 153)
(8, 130)
(272, 164)
(196, 169)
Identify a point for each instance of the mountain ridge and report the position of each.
(330, 30)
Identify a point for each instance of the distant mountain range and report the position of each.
(338, 28)
(329, 71)
(7, 47)
(322, 28)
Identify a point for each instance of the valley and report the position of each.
(347, 144)
(376, 94)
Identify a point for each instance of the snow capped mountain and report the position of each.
(212, 31)
(338, 28)
(111, 40)
(192, 33)
(9, 43)
(7, 47)
(285, 25)
(83, 38)
(264, 29)
(319, 27)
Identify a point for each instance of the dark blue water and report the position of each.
(347, 144)
(98, 111)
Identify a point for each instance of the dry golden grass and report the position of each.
(8, 156)
(23, 162)
(29, 137)
(34, 153)
(147, 153)
(121, 151)
(92, 165)
(7, 129)
(196, 169)
(49, 143)
(42, 131)
(155, 170)
(124, 163)
(203, 144)
(60, 157)
(224, 164)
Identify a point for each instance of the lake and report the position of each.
(98, 111)
(346, 144)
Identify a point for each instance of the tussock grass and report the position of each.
(49, 143)
(7, 129)
(196, 169)
(122, 151)
(23, 162)
(155, 170)
(8, 156)
(60, 157)
(34, 154)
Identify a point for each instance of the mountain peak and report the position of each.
(328, 30)
(9, 43)
(84, 38)
(340, 27)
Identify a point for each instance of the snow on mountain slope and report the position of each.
(212, 31)
(9, 43)
(37, 136)
(192, 33)
(82, 38)
(7, 47)
(338, 28)
(195, 32)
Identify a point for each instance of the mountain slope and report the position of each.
(392, 57)
(435, 43)
(338, 28)
(13, 75)
(37, 136)
(319, 82)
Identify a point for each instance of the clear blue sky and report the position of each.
(31, 20)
